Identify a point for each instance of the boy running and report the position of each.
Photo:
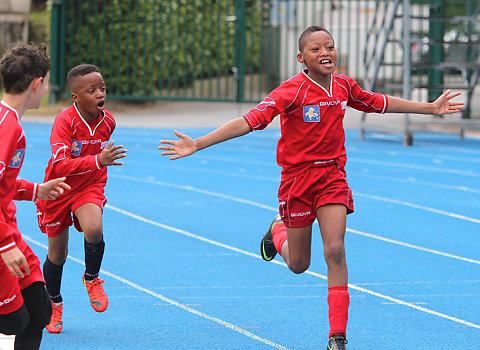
(24, 305)
(81, 151)
(312, 155)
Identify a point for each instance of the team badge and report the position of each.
(311, 113)
(17, 159)
(76, 147)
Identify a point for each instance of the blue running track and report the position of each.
(182, 265)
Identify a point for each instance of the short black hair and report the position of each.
(80, 71)
(21, 65)
(307, 32)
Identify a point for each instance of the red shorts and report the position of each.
(11, 286)
(300, 196)
(54, 216)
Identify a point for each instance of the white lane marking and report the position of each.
(170, 301)
(358, 288)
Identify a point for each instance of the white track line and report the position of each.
(365, 234)
(415, 167)
(240, 200)
(417, 206)
(367, 291)
(168, 300)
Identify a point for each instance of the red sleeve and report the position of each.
(62, 162)
(26, 191)
(271, 106)
(9, 136)
(364, 100)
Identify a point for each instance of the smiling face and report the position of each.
(318, 53)
(89, 94)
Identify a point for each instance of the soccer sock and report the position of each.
(338, 302)
(53, 278)
(93, 258)
(279, 235)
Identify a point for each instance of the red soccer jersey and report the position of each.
(311, 118)
(12, 153)
(76, 146)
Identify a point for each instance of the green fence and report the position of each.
(224, 50)
(227, 50)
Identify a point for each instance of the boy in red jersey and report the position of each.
(81, 151)
(312, 155)
(24, 305)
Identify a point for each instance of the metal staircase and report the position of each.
(416, 51)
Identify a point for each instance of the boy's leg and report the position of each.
(89, 216)
(52, 272)
(332, 221)
(293, 244)
(39, 307)
(14, 322)
(53, 265)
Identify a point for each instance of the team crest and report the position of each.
(311, 113)
(76, 147)
(17, 159)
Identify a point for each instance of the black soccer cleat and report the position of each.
(267, 248)
(337, 342)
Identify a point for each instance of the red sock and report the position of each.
(338, 301)
(279, 234)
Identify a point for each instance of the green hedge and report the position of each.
(144, 46)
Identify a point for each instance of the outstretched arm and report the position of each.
(187, 146)
(442, 105)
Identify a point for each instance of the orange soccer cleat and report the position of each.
(98, 298)
(56, 324)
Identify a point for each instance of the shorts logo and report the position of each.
(17, 158)
(8, 300)
(300, 214)
(76, 147)
(311, 114)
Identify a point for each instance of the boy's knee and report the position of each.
(15, 323)
(58, 258)
(93, 232)
(298, 266)
(335, 254)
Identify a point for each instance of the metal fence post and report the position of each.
(240, 10)
(56, 51)
(407, 67)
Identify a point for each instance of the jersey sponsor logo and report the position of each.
(17, 158)
(329, 103)
(76, 147)
(8, 300)
(295, 215)
(2, 169)
(104, 143)
(93, 142)
(344, 105)
(268, 101)
(311, 114)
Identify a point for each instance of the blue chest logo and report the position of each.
(311, 114)
(76, 147)
(17, 158)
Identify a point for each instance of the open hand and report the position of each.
(16, 262)
(443, 105)
(111, 153)
(178, 149)
(52, 189)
